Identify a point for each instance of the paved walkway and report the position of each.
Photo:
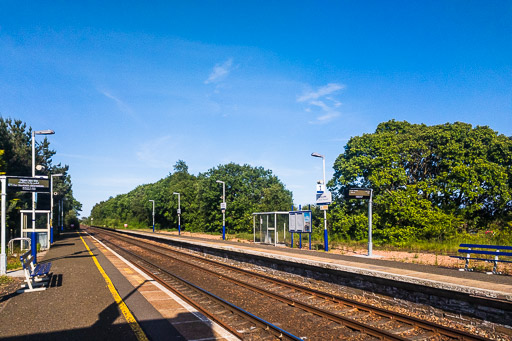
(78, 304)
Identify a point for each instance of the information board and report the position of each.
(26, 184)
(291, 222)
(300, 222)
(359, 193)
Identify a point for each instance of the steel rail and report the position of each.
(413, 321)
(348, 322)
(263, 324)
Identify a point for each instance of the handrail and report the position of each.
(11, 243)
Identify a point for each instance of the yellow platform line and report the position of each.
(139, 333)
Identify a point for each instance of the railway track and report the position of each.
(323, 316)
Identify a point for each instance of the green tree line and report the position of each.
(248, 190)
(430, 183)
(16, 160)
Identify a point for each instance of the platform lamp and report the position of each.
(223, 208)
(326, 236)
(33, 243)
(179, 212)
(51, 204)
(153, 215)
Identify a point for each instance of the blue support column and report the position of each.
(326, 239)
(223, 232)
(33, 245)
(300, 240)
(51, 234)
(179, 230)
(310, 241)
(292, 240)
(153, 227)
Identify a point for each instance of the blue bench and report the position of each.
(35, 275)
(479, 251)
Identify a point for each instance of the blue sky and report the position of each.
(132, 87)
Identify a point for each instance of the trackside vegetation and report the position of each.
(434, 187)
(248, 190)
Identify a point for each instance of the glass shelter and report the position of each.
(271, 228)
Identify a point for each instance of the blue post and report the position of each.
(51, 234)
(179, 230)
(292, 232)
(326, 238)
(223, 232)
(153, 227)
(300, 233)
(33, 245)
(311, 227)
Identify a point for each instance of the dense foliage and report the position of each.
(16, 160)
(430, 182)
(248, 190)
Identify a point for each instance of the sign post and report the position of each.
(364, 193)
(323, 199)
(3, 256)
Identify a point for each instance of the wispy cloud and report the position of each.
(323, 100)
(155, 153)
(220, 72)
(321, 92)
(120, 104)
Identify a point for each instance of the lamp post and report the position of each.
(223, 208)
(326, 236)
(33, 236)
(51, 205)
(153, 215)
(179, 212)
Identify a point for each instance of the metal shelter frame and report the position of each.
(25, 229)
(269, 229)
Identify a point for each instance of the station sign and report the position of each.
(324, 207)
(222, 205)
(178, 211)
(26, 184)
(359, 193)
(323, 198)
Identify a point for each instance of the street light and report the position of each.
(51, 205)
(179, 213)
(33, 236)
(223, 208)
(153, 215)
(323, 188)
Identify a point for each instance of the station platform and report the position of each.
(94, 294)
(494, 286)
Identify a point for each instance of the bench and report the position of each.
(35, 275)
(489, 250)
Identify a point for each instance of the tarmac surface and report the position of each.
(78, 305)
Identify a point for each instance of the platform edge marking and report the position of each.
(216, 327)
(132, 322)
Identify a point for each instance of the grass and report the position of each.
(4, 279)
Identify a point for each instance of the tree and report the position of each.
(16, 160)
(429, 178)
